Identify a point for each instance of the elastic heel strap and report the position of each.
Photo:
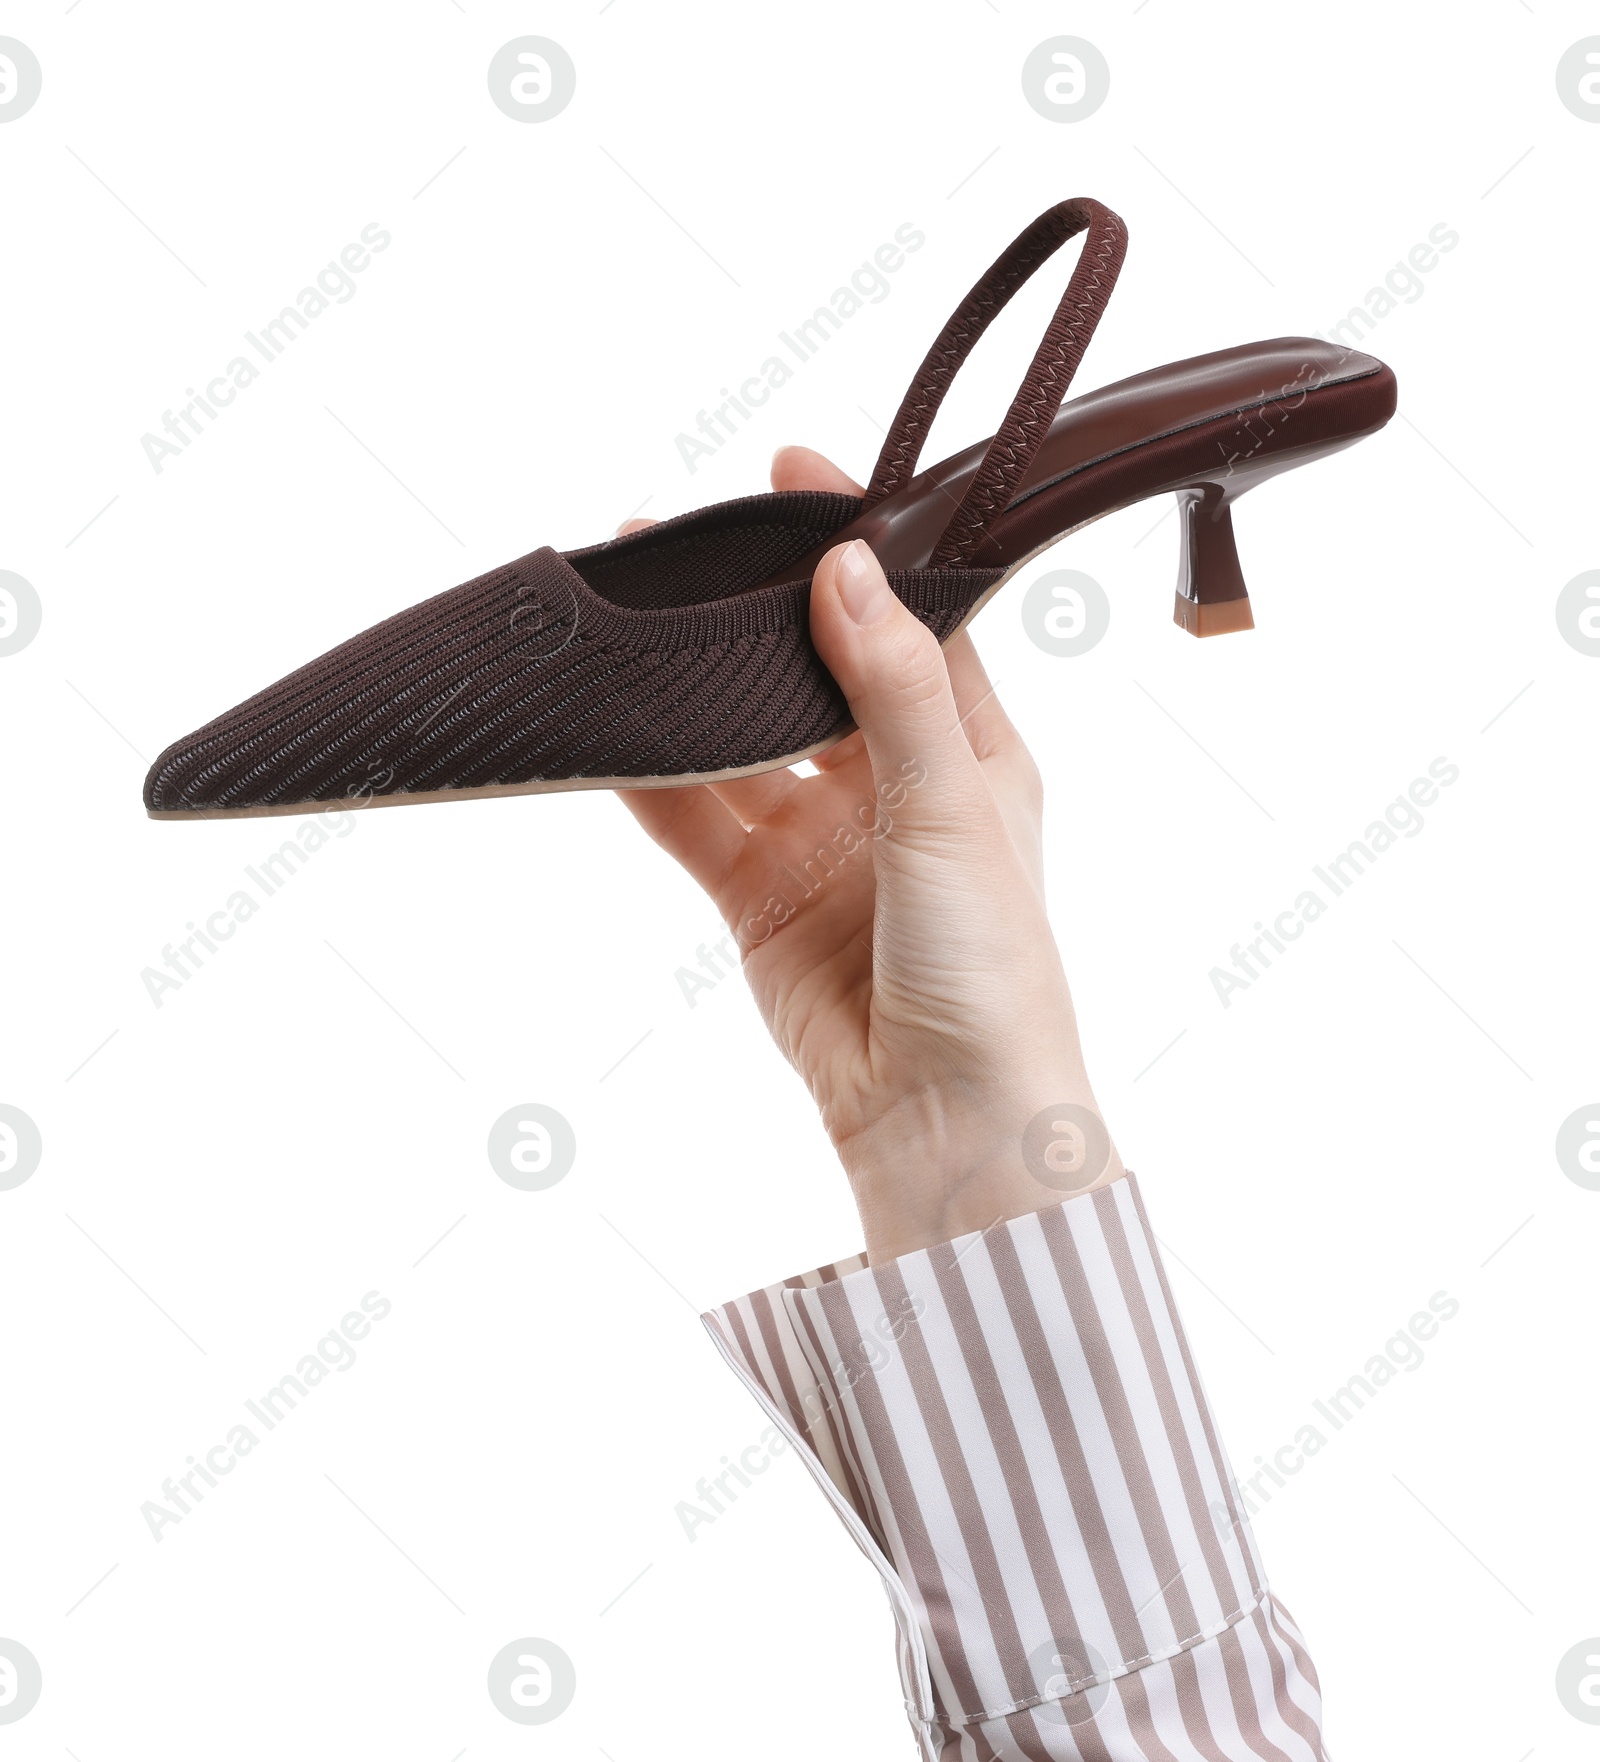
(1043, 386)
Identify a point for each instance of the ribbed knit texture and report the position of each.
(647, 656)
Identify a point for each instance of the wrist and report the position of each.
(945, 1161)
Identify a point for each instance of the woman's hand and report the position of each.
(890, 913)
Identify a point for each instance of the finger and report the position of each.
(696, 830)
(989, 729)
(632, 526)
(850, 751)
(1013, 776)
(755, 800)
(800, 468)
(893, 675)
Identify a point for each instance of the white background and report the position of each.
(226, 1175)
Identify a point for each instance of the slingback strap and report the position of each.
(1044, 385)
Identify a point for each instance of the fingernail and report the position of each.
(862, 587)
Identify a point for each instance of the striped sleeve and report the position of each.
(1012, 1427)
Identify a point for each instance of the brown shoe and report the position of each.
(682, 653)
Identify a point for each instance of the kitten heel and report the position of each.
(1212, 598)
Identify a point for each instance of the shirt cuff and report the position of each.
(1012, 1427)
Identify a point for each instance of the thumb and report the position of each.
(892, 671)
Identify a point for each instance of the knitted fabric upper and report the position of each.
(653, 655)
(676, 652)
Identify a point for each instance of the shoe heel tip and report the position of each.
(1219, 618)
